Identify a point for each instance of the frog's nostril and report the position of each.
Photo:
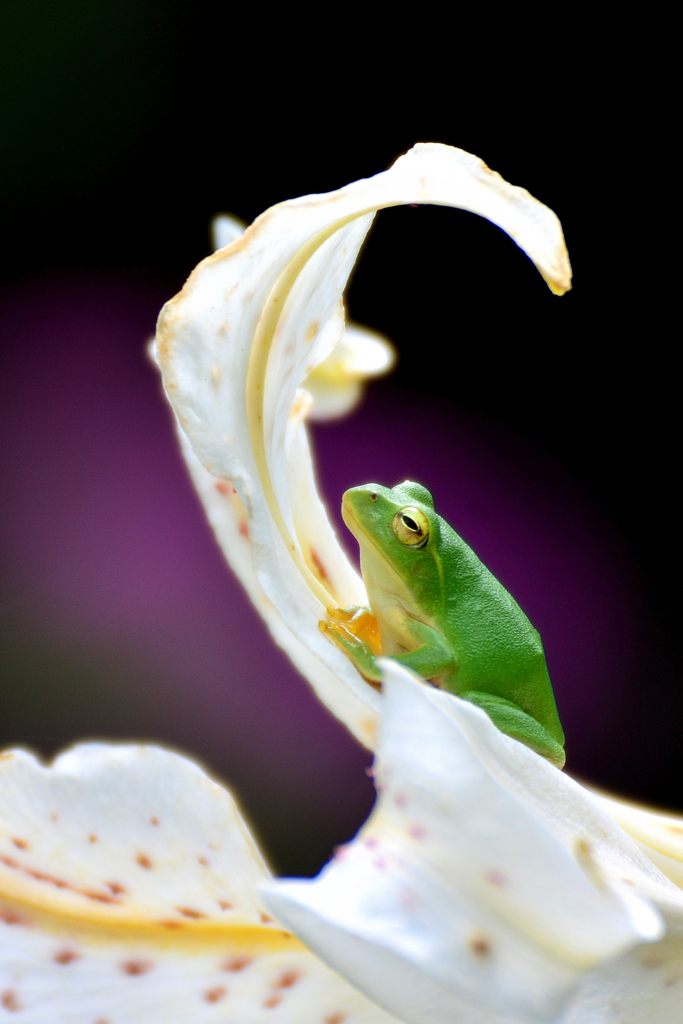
(373, 497)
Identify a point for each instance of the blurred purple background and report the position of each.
(119, 618)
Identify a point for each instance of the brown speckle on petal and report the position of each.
(334, 1018)
(20, 844)
(287, 979)
(496, 878)
(154, 821)
(416, 831)
(116, 888)
(190, 912)
(10, 916)
(312, 330)
(225, 904)
(10, 1000)
(92, 837)
(98, 897)
(203, 861)
(272, 1001)
(134, 968)
(144, 861)
(214, 995)
(653, 961)
(237, 963)
(265, 919)
(42, 876)
(480, 944)
(59, 883)
(66, 956)
(320, 568)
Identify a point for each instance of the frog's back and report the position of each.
(498, 649)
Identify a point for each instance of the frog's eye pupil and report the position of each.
(410, 526)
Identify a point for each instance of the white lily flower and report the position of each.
(486, 886)
(420, 927)
(483, 884)
(128, 895)
(236, 348)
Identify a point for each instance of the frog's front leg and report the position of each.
(354, 630)
(511, 720)
(421, 648)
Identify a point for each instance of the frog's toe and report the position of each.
(343, 614)
(330, 629)
(338, 634)
(357, 650)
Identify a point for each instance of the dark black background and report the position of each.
(126, 125)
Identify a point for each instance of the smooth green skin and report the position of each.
(442, 614)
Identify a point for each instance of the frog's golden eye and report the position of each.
(411, 527)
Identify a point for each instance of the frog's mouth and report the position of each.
(350, 519)
(356, 527)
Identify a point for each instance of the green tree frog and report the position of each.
(437, 609)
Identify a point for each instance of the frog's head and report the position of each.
(398, 523)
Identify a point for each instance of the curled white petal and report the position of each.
(484, 877)
(355, 353)
(236, 348)
(128, 893)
